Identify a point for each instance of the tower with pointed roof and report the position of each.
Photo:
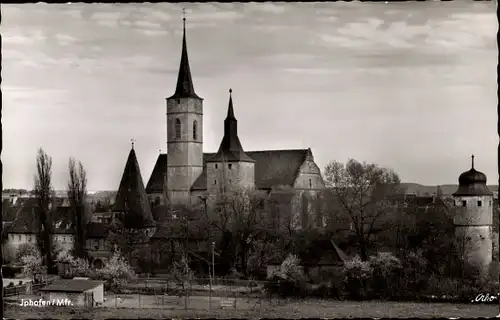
(184, 133)
(473, 219)
(230, 167)
(132, 210)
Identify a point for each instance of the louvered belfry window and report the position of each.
(177, 128)
(195, 130)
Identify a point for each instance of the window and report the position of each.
(178, 101)
(490, 203)
(177, 128)
(216, 166)
(19, 237)
(479, 203)
(195, 130)
(29, 238)
(229, 165)
(63, 239)
(464, 203)
(215, 181)
(229, 180)
(310, 183)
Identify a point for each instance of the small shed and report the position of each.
(80, 292)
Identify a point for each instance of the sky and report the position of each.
(409, 86)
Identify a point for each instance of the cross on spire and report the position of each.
(472, 161)
(132, 141)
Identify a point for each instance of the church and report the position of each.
(188, 175)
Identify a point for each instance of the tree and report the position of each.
(241, 212)
(360, 191)
(26, 249)
(44, 194)
(32, 265)
(116, 272)
(77, 193)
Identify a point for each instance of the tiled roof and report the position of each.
(27, 221)
(62, 219)
(8, 210)
(272, 168)
(156, 182)
(131, 197)
(72, 285)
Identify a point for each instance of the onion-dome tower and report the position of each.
(473, 219)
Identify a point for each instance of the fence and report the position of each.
(194, 294)
(24, 288)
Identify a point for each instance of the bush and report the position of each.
(414, 276)
(116, 272)
(357, 273)
(288, 281)
(385, 280)
(26, 249)
(32, 265)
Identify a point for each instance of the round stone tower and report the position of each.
(473, 219)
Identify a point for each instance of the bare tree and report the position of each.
(43, 192)
(361, 192)
(77, 194)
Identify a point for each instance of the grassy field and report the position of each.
(248, 308)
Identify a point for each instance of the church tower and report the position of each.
(184, 133)
(230, 167)
(473, 219)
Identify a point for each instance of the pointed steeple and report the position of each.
(185, 88)
(230, 148)
(131, 197)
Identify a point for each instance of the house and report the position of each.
(323, 262)
(80, 292)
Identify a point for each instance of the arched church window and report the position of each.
(177, 128)
(195, 130)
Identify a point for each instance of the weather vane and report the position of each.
(132, 140)
(472, 161)
(184, 13)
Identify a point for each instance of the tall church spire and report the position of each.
(230, 148)
(184, 88)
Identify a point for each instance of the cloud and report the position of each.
(18, 37)
(266, 7)
(65, 39)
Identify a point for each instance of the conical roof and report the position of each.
(184, 88)
(230, 148)
(131, 198)
(472, 183)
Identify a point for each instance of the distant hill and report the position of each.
(447, 189)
